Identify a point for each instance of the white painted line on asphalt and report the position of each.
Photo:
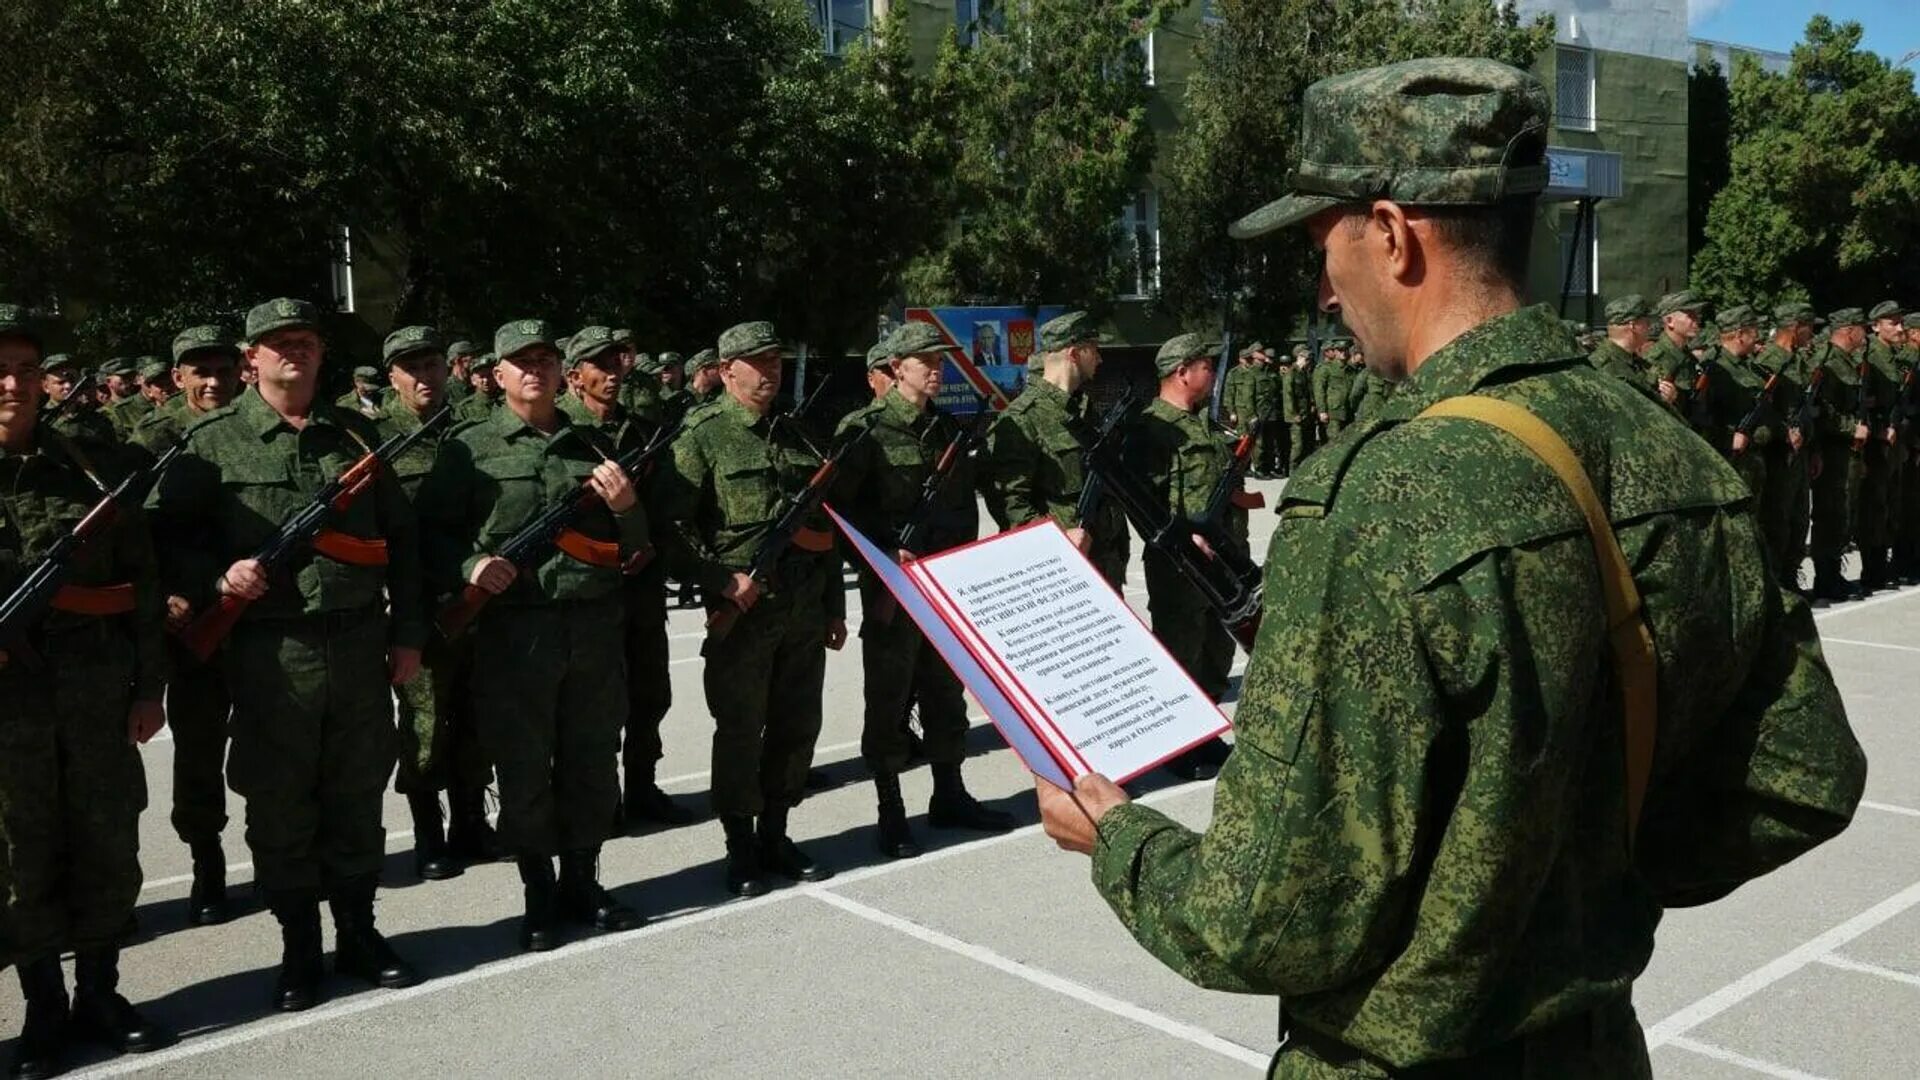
(1047, 980)
(694, 916)
(1861, 605)
(1845, 964)
(1772, 972)
(1721, 1053)
(1889, 808)
(1867, 644)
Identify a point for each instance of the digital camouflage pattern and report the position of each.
(1425, 801)
(1836, 480)
(281, 314)
(1034, 469)
(1332, 385)
(1784, 510)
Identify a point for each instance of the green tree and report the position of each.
(1243, 119)
(1823, 200)
(1709, 145)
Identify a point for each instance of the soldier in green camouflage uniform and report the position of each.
(1296, 406)
(156, 383)
(1237, 391)
(1668, 360)
(206, 370)
(1033, 458)
(1629, 324)
(733, 468)
(597, 402)
(1881, 459)
(1842, 433)
(460, 357)
(365, 398)
(311, 662)
(1266, 410)
(486, 392)
(548, 676)
(1736, 389)
(1429, 714)
(1784, 507)
(879, 489)
(81, 417)
(439, 747)
(82, 687)
(1332, 382)
(128, 406)
(1368, 394)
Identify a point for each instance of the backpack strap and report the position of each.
(1629, 641)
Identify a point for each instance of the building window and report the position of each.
(977, 17)
(1573, 88)
(1140, 243)
(1584, 278)
(1208, 15)
(840, 22)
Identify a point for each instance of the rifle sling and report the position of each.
(352, 550)
(582, 548)
(100, 600)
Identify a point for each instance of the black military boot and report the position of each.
(101, 1016)
(743, 856)
(1828, 585)
(469, 838)
(953, 807)
(896, 839)
(42, 1048)
(207, 900)
(645, 802)
(358, 948)
(298, 912)
(540, 927)
(1873, 570)
(584, 901)
(781, 855)
(432, 861)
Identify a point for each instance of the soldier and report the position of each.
(207, 372)
(365, 397)
(1882, 457)
(460, 357)
(1667, 358)
(1183, 458)
(1332, 382)
(82, 689)
(548, 676)
(1784, 508)
(879, 489)
(439, 748)
(486, 391)
(596, 403)
(311, 662)
(879, 370)
(116, 374)
(81, 417)
(1734, 392)
(1238, 393)
(1369, 392)
(1629, 329)
(1266, 410)
(1297, 407)
(124, 406)
(703, 378)
(733, 466)
(1033, 459)
(1433, 710)
(1842, 434)
(156, 383)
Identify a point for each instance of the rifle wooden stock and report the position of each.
(212, 627)
(459, 612)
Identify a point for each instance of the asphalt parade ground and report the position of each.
(985, 957)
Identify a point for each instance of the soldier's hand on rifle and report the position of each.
(1861, 433)
(144, 721)
(493, 574)
(742, 590)
(1795, 439)
(1740, 442)
(403, 663)
(1323, 418)
(1081, 539)
(1669, 393)
(836, 634)
(609, 481)
(1893, 436)
(179, 614)
(1201, 543)
(246, 579)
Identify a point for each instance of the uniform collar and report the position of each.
(1498, 350)
(577, 412)
(510, 427)
(264, 420)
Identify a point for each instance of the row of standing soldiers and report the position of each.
(561, 678)
(1294, 406)
(1816, 415)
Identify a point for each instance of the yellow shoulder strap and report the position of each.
(1628, 639)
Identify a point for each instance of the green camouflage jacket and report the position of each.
(881, 478)
(1839, 394)
(126, 413)
(1419, 841)
(160, 429)
(1034, 467)
(1331, 384)
(1238, 397)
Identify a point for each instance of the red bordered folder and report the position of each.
(1068, 672)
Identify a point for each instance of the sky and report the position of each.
(1892, 26)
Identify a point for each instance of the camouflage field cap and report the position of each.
(1073, 328)
(1684, 300)
(59, 362)
(116, 365)
(914, 338)
(877, 356)
(409, 340)
(483, 362)
(1793, 311)
(666, 360)
(703, 358)
(1178, 350)
(203, 338)
(366, 374)
(1251, 348)
(1301, 352)
(521, 334)
(152, 367)
(591, 341)
(1911, 322)
(1847, 316)
(460, 348)
(1886, 309)
(1622, 310)
(747, 339)
(1443, 131)
(15, 322)
(1036, 364)
(283, 313)
(622, 336)
(1738, 317)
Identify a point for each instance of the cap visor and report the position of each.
(1279, 214)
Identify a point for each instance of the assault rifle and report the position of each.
(1226, 578)
(1106, 430)
(787, 530)
(40, 589)
(553, 528)
(1238, 459)
(1699, 406)
(912, 534)
(301, 530)
(1752, 420)
(1805, 413)
(54, 410)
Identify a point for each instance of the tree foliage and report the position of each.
(1243, 119)
(1823, 197)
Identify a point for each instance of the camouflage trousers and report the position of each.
(439, 746)
(71, 792)
(1834, 491)
(1187, 627)
(197, 710)
(1606, 1044)
(900, 666)
(649, 686)
(313, 744)
(549, 694)
(1785, 509)
(1299, 442)
(763, 684)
